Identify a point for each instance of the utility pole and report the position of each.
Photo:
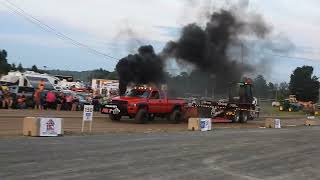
(213, 93)
(213, 81)
(242, 54)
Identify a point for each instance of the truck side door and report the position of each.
(164, 102)
(155, 102)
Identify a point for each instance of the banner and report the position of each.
(205, 124)
(50, 126)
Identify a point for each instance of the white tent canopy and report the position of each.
(9, 78)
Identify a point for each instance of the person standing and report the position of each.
(42, 99)
(69, 99)
(75, 103)
(60, 101)
(37, 99)
(21, 102)
(41, 85)
(51, 99)
(7, 99)
(1, 94)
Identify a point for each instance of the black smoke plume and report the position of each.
(142, 68)
(207, 48)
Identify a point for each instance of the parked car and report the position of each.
(83, 100)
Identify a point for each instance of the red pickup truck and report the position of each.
(143, 104)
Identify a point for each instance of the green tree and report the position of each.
(13, 67)
(271, 86)
(304, 84)
(283, 91)
(113, 75)
(34, 68)
(100, 74)
(20, 68)
(4, 66)
(260, 86)
(272, 90)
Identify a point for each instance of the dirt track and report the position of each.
(11, 123)
(233, 154)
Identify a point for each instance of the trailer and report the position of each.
(238, 108)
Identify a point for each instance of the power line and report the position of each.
(59, 34)
(281, 55)
(19, 11)
(291, 57)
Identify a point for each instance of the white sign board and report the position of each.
(205, 124)
(311, 117)
(88, 113)
(277, 123)
(50, 126)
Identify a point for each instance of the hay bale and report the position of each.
(309, 122)
(269, 123)
(194, 124)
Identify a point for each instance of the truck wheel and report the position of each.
(243, 117)
(236, 117)
(151, 117)
(141, 116)
(252, 114)
(175, 117)
(114, 117)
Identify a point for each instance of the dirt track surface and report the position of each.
(11, 123)
(233, 154)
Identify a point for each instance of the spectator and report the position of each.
(21, 102)
(1, 94)
(75, 103)
(60, 101)
(51, 100)
(69, 99)
(89, 98)
(37, 99)
(7, 99)
(42, 99)
(41, 85)
(96, 103)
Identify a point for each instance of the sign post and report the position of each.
(87, 116)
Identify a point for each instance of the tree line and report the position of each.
(303, 83)
(86, 76)
(6, 67)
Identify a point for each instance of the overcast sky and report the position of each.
(118, 27)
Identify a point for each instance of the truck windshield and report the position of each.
(138, 93)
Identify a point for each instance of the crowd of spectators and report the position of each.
(41, 99)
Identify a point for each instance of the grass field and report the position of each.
(268, 110)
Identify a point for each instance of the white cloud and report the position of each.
(106, 19)
(110, 19)
(297, 19)
(114, 20)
